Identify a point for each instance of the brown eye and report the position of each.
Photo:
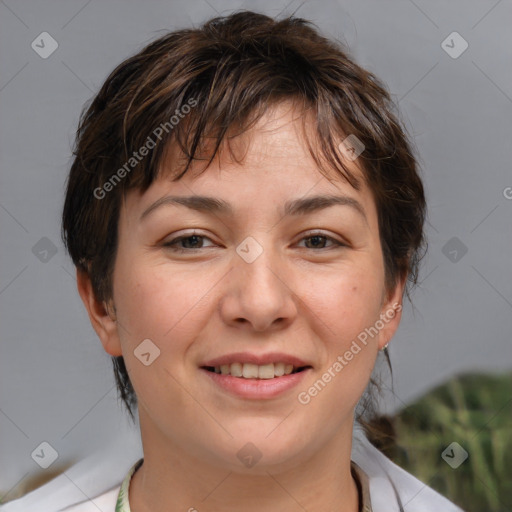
(318, 241)
(186, 243)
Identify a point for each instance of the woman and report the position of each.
(245, 215)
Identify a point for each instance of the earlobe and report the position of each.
(102, 320)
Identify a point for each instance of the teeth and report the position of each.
(253, 371)
(279, 369)
(250, 371)
(236, 370)
(266, 371)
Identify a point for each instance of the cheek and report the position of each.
(345, 310)
(346, 302)
(345, 307)
(164, 307)
(160, 304)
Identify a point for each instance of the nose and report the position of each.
(259, 295)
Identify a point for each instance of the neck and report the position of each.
(172, 479)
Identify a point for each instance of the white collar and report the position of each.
(391, 488)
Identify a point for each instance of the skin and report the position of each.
(306, 298)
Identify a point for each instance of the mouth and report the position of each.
(254, 371)
(249, 375)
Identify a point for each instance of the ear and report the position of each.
(103, 323)
(391, 312)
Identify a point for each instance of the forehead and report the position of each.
(264, 166)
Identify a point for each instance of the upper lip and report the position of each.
(258, 359)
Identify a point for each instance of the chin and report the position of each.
(259, 450)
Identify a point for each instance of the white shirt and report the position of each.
(93, 485)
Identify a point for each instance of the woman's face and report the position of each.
(253, 280)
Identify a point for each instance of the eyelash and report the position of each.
(171, 245)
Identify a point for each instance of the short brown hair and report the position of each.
(229, 72)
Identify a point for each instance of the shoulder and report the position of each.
(389, 483)
(105, 502)
(45, 498)
(92, 484)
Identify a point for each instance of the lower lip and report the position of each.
(257, 389)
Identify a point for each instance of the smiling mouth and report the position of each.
(254, 371)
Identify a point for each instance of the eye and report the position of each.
(318, 240)
(188, 242)
(193, 241)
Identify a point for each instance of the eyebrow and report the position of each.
(294, 207)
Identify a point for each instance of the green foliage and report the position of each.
(476, 412)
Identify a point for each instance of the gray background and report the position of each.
(56, 381)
